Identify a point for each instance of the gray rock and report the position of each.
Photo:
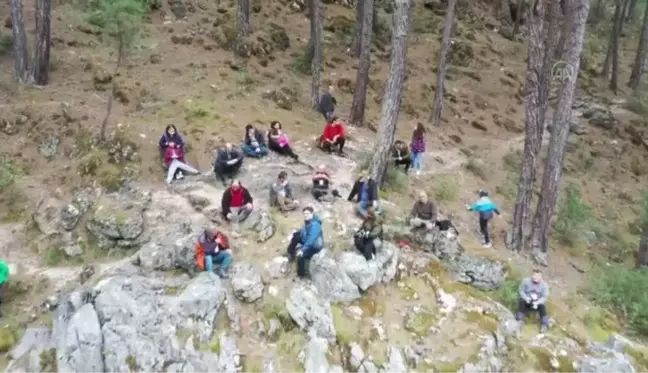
(356, 356)
(278, 267)
(335, 369)
(331, 280)
(26, 356)
(70, 215)
(489, 357)
(196, 307)
(412, 357)
(315, 354)
(165, 253)
(395, 362)
(366, 274)
(81, 349)
(49, 146)
(246, 282)
(310, 310)
(615, 363)
(47, 216)
(368, 367)
(482, 273)
(117, 218)
(229, 358)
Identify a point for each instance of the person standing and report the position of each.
(327, 104)
(417, 147)
(485, 208)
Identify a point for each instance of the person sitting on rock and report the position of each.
(175, 163)
(236, 204)
(486, 208)
(322, 185)
(254, 143)
(228, 163)
(170, 135)
(213, 248)
(281, 194)
(306, 242)
(424, 213)
(333, 138)
(366, 190)
(4, 277)
(327, 102)
(401, 155)
(369, 237)
(278, 141)
(534, 293)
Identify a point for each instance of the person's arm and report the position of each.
(313, 233)
(180, 141)
(523, 290)
(220, 159)
(435, 211)
(376, 232)
(472, 207)
(333, 100)
(544, 293)
(342, 131)
(163, 142)
(289, 193)
(414, 212)
(247, 197)
(354, 191)
(226, 202)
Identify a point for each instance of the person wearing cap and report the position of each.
(485, 207)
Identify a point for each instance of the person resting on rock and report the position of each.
(366, 190)
(228, 163)
(424, 213)
(175, 163)
(170, 135)
(534, 293)
(236, 204)
(213, 248)
(254, 143)
(333, 138)
(485, 208)
(322, 185)
(369, 237)
(281, 194)
(401, 155)
(306, 242)
(278, 141)
(327, 102)
(4, 277)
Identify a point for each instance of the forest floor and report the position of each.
(180, 75)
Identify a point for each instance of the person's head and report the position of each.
(321, 168)
(423, 197)
(400, 145)
(236, 184)
(536, 276)
(308, 213)
(330, 89)
(283, 177)
(210, 233)
(275, 125)
(483, 193)
(335, 121)
(419, 130)
(171, 130)
(249, 129)
(228, 146)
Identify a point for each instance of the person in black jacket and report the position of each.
(366, 190)
(327, 104)
(236, 204)
(401, 154)
(228, 163)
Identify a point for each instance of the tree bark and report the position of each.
(518, 18)
(612, 41)
(19, 41)
(243, 17)
(577, 18)
(640, 58)
(40, 63)
(121, 51)
(632, 11)
(357, 40)
(310, 48)
(541, 22)
(503, 12)
(357, 115)
(316, 64)
(393, 91)
(642, 254)
(618, 24)
(437, 110)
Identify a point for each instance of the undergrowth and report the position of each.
(574, 218)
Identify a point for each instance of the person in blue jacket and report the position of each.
(485, 208)
(307, 241)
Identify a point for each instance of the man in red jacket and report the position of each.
(333, 136)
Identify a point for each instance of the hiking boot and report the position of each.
(543, 329)
(223, 274)
(179, 175)
(418, 172)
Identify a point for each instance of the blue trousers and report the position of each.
(417, 161)
(250, 151)
(361, 208)
(221, 258)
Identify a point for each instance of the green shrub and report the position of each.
(637, 105)
(446, 190)
(395, 180)
(624, 291)
(299, 64)
(509, 293)
(574, 217)
(6, 43)
(9, 172)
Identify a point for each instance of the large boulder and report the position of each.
(482, 273)
(366, 274)
(310, 310)
(331, 279)
(117, 219)
(246, 282)
(82, 346)
(614, 363)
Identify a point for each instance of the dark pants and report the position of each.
(327, 115)
(365, 246)
(285, 150)
(407, 162)
(329, 146)
(225, 171)
(295, 241)
(524, 308)
(483, 226)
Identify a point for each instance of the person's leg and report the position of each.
(224, 260)
(209, 263)
(367, 249)
(185, 167)
(221, 174)
(544, 319)
(340, 143)
(302, 263)
(483, 226)
(290, 152)
(236, 167)
(361, 208)
(173, 167)
(326, 146)
(523, 308)
(292, 246)
(249, 150)
(235, 211)
(263, 150)
(408, 162)
(416, 223)
(243, 213)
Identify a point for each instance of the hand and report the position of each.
(467, 207)
(335, 138)
(230, 216)
(375, 204)
(233, 161)
(534, 305)
(296, 202)
(248, 206)
(400, 158)
(300, 253)
(257, 150)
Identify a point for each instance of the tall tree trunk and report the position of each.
(310, 48)
(503, 12)
(632, 11)
(393, 91)
(40, 63)
(437, 110)
(642, 254)
(243, 17)
(19, 41)
(618, 24)
(577, 18)
(357, 40)
(598, 12)
(541, 24)
(626, 5)
(519, 15)
(612, 41)
(640, 58)
(121, 51)
(316, 64)
(364, 65)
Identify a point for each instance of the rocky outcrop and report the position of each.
(246, 282)
(311, 311)
(482, 273)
